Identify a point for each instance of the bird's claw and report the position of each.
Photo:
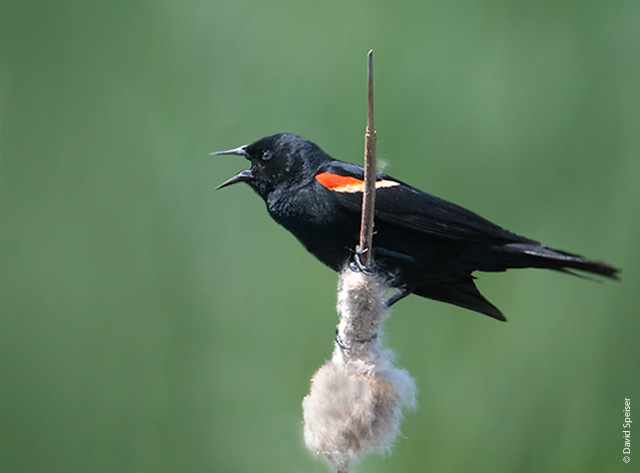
(339, 340)
(357, 264)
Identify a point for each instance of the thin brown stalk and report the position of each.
(368, 197)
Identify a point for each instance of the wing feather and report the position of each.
(407, 207)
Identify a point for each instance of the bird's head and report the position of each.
(277, 160)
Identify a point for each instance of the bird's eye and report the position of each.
(267, 155)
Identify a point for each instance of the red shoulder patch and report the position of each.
(338, 183)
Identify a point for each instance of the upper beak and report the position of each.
(242, 176)
(241, 151)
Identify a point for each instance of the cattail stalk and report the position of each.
(357, 398)
(370, 168)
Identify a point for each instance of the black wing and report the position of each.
(404, 206)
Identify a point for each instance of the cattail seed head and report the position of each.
(356, 399)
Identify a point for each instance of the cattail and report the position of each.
(356, 399)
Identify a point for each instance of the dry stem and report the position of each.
(368, 197)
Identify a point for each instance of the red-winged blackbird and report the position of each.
(426, 245)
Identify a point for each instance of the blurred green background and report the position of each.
(150, 324)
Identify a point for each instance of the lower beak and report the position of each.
(242, 176)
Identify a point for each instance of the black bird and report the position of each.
(427, 246)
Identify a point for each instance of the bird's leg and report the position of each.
(401, 294)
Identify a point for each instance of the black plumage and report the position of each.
(426, 245)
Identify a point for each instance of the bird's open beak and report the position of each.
(242, 176)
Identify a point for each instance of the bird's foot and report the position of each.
(357, 264)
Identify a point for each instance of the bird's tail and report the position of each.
(531, 255)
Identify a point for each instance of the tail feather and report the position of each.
(526, 255)
(464, 293)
